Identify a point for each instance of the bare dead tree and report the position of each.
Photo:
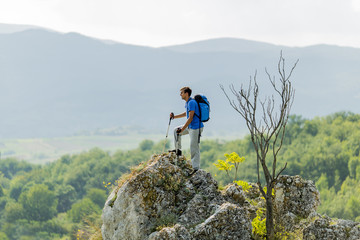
(267, 132)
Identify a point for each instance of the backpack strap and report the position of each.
(199, 120)
(199, 116)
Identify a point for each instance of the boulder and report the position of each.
(296, 195)
(228, 222)
(176, 232)
(295, 199)
(324, 227)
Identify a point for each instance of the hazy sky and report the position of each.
(167, 22)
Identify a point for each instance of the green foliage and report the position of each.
(232, 160)
(325, 150)
(259, 224)
(24, 229)
(352, 208)
(13, 211)
(66, 196)
(3, 201)
(245, 185)
(11, 167)
(16, 187)
(259, 228)
(272, 192)
(224, 166)
(146, 145)
(97, 196)
(69, 180)
(39, 203)
(82, 209)
(3, 236)
(354, 163)
(322, 183)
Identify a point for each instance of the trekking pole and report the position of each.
(167, 132)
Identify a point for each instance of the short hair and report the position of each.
(186, 90)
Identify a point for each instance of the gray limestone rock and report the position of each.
(332, 229)
(234, 193)
(355, 232)
(295, 199)
(228, 222)
(296, 195)
(163, 201)
(176, 232)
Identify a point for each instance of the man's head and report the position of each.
(185, 93)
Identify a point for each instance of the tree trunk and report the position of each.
(268, 130)
(270, 234)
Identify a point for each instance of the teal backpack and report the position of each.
(204, 109)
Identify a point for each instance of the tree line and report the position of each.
(64, 198)
(324, 150)
(59, 199)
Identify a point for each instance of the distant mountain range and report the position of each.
(55, 84)
(13, 28)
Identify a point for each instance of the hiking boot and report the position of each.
(178, 152)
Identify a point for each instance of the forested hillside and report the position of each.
(64, 199)
(56, 200)
(325, 150)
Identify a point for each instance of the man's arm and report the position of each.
(181, 115)
(191, 116)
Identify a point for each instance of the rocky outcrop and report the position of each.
(295, 198)
(162, 200)
(296, 201)
(323, 227)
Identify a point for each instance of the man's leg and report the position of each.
(195, 148)
(177, 137)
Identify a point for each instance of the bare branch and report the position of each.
(269, 131)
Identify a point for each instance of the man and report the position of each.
(193, 126)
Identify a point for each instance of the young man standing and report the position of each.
(193, 126)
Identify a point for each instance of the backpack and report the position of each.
(204, 107)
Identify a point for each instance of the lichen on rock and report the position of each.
(228, 222)
(296, 195)
(324, 227)
(176, 232)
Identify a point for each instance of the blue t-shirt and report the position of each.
(191, 105)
